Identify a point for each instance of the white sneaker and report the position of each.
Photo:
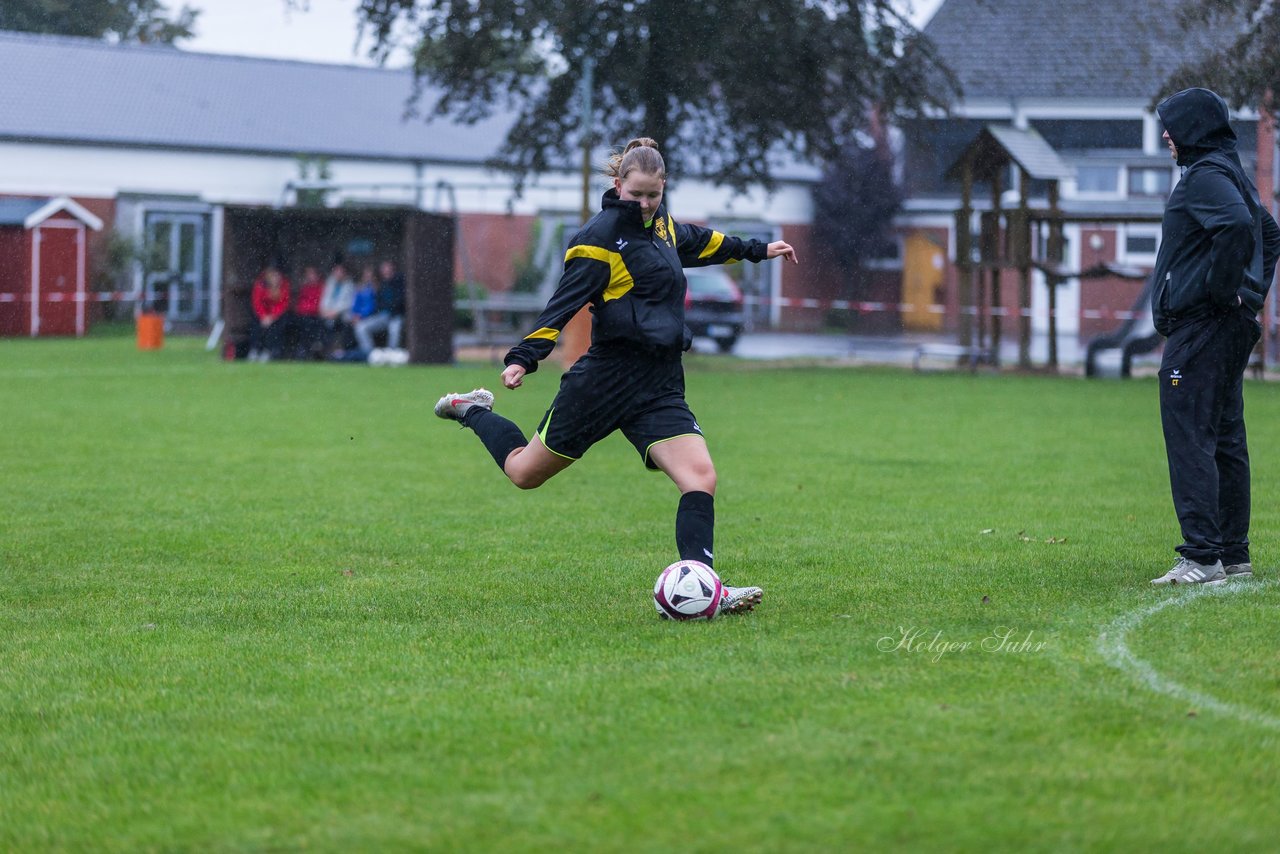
(454, 406)
(1189, 572)
(737, 600)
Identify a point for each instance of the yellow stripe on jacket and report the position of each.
(620, 280)
(713, 245)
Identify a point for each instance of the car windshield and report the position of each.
(710, 284)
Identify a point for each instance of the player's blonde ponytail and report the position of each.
(640, 153)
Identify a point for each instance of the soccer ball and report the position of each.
(688, 590)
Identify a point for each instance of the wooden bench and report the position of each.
(502, 319)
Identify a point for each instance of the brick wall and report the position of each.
(489, 247)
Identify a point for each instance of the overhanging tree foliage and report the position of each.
(124, 20)
(721, 84)
(1245, 69)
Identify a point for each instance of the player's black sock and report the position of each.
(695, 526)
(499, 435)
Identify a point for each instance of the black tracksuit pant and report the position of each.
(1202, 411)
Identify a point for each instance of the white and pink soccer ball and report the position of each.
(688, 590)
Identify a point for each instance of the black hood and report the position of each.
(1198, 122)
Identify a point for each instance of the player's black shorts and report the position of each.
(618, 388)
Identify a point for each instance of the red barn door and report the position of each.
(59, 253)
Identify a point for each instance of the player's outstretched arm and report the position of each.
(699, 246)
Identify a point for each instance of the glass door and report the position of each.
(176, 277)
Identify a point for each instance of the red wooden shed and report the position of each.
(43, 243)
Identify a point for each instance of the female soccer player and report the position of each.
(626, 263)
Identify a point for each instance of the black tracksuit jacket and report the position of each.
(632, 278)
(1218, 243)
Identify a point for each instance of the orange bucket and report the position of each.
(150, 331)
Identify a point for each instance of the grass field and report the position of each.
(270, 607)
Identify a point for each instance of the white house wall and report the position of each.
(257, 179)
(152, 179)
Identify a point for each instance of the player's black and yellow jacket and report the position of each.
(632, 277)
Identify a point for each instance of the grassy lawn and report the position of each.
(266, 607)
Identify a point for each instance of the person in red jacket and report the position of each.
(308, 328)
(270, 305)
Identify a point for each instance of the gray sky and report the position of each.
(326, 32)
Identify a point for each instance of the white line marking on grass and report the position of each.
(1114, 648)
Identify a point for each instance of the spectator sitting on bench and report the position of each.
(363, 306)
(339, 293)
(308, 328)
(389, 315)
(270, 307)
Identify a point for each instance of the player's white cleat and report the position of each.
(454, 406)
(738, 600)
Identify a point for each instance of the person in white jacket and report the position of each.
(335, 304)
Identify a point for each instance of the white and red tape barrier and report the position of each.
(785, 302)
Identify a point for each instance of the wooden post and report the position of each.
(1023, 253)
(997, 265)
(1055, 251)
(980, 286)
(964, 255)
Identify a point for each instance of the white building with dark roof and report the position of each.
(159, 141)
(1084, 76)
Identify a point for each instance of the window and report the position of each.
(886, 254)
(1149, 182)
(1081, 134)
(1138, 245)
(1098, 179)
(1141, 244)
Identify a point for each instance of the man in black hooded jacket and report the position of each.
(1217, 257)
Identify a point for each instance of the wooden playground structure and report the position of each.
(1018, 239)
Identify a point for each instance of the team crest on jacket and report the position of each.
(660, 228)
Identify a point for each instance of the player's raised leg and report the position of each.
(527, 463)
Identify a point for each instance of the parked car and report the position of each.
(713, 306)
